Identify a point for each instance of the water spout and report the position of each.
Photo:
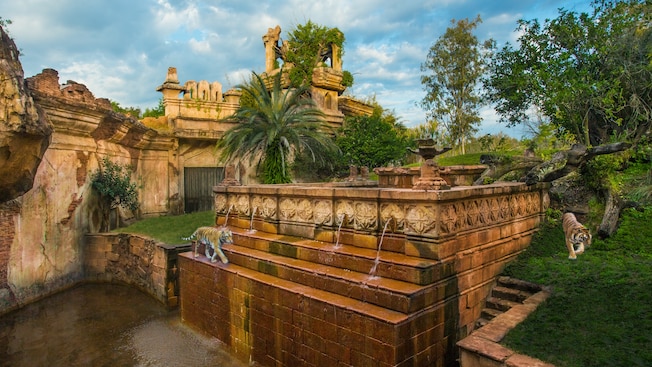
(251, 221)
(372, 273)
(226, 218)
(339, 228)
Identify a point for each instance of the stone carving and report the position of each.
(287, 208)
(304, 210)
(323, 212)
(242, 205)
(366, 217)
(220, 204)
(229, 176)
(393, 211)
(345, 210)
(430, 172)
(264, 206)
(420, 219)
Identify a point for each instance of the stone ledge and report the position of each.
(482, 348)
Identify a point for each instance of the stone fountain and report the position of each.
(325, 281)
(430, 178)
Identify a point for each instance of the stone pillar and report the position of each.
(270, 40)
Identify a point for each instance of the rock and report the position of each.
(24, 129)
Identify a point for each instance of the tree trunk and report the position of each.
(498, 167)
(613, 207)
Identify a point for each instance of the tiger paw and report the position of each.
(572, 257)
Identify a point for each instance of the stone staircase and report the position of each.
(399, 283)
(507, 293)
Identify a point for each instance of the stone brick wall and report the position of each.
(146, 264)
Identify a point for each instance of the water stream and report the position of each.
(339, 228)
(372, 273)
(226, 218)
(104, 325)
(251, 221)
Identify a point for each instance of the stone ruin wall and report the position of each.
(41, 231)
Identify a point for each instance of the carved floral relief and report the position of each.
(344, 211)
(287, 208)
(366, 217)
(420, 219)
(394, 212)
(220, 204)
(304, 210)
(323, 212)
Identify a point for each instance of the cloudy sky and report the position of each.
(121, 49)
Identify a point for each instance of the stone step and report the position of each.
(389, 293)
(336, 300)
(390, 265)
(510, 294)
(500, 304)
(489, 313)
(522, 285)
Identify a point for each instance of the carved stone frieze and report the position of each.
(323, 213)
(393, 212)
(450, 220)
(420, 219)
(264, 206)
(287, 208)
(304, 210)
(242, 205)
(344, 211)
(366, 216)
(220, 204)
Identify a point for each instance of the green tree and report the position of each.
(157, 111)
(309, 46)
(453, 68)
(273, 127)
(373, 141)
(130, 111)
(590, 74)
(112, 181)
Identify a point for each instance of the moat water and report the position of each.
(104, 325)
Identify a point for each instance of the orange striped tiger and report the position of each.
(212, 238)
(577, 235)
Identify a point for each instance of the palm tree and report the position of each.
(273, 127)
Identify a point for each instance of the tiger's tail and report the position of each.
(191, 237)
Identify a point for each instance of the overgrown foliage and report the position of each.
(373, 141)
(589, 74)
(309, 46)
(275, 126)
(113, 183)
(452, 70)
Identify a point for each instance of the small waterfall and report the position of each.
(372, 273)
(226, 218)
(251, 221)
(339, 228)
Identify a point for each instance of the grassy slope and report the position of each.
(600, 313)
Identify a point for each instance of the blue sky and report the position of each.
(121, 49)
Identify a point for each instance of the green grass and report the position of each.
(600, 311)
(170, 229)
(464, 159)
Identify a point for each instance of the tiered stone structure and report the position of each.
(356, 276)
(326, 87)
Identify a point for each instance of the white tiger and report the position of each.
(214, 238)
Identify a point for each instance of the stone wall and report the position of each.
(42, 231)
(144, 263)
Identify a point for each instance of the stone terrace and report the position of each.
(306, 284)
